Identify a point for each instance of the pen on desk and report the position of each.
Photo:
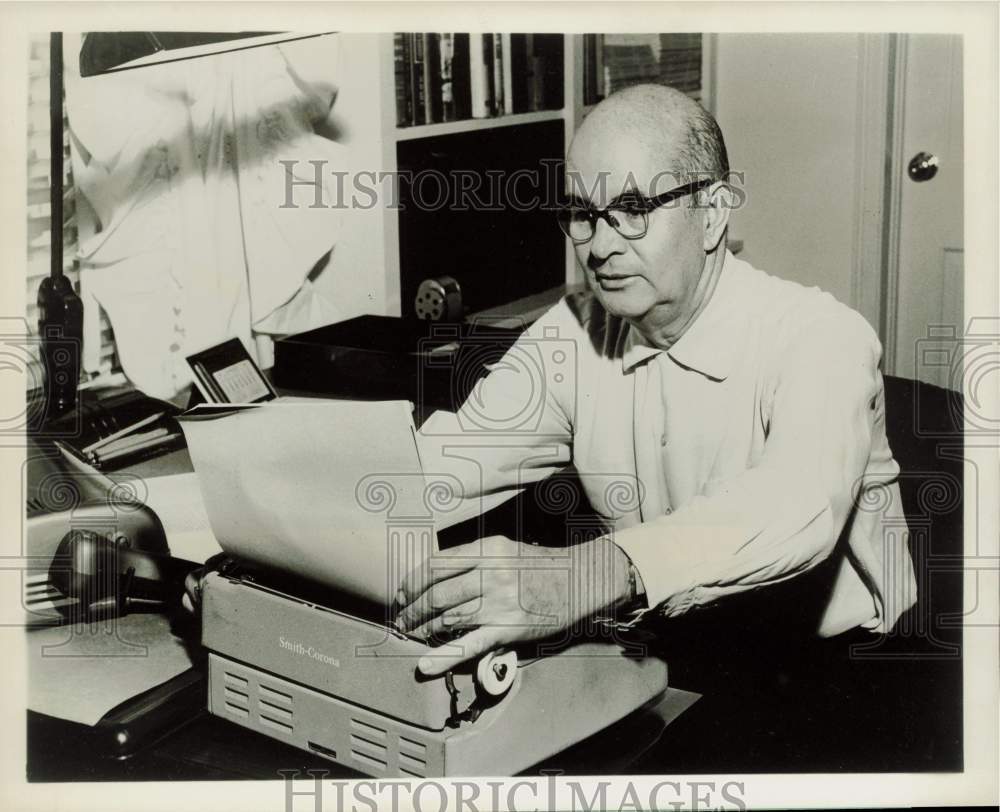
(131, 440)
(122, 432)
(155, 442)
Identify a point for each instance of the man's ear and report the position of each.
(718, 201)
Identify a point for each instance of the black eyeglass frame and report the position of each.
(635, 200)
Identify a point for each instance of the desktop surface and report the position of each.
(773, 699)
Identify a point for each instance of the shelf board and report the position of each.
(473, 124)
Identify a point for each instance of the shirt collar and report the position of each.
(710, 343)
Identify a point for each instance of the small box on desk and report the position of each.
(384, 357)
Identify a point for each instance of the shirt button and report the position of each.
(663, 439)
(668, 511)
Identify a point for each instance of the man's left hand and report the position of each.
(498, 592)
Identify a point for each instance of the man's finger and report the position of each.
(461, 649)
(489, 552)
(429, 572)
(439, 598)
(463, 616)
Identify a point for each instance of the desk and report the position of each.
(209, 748)
(766, 707)
(61, 751)
(771, 702)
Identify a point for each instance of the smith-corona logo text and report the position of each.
(308, 651)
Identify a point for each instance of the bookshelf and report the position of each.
(367, 109)
(444, 77)
(369, 252)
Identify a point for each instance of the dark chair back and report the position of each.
(924, 425)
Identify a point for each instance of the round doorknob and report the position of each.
(924, 166)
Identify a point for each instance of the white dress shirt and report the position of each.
(745, 454)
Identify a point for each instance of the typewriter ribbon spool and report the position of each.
(496, 671)
(439, 299)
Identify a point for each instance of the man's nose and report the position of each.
(605, 243)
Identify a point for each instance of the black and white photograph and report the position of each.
(590, 407)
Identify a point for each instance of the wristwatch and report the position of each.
(636, 590)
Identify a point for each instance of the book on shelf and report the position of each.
(589, 71)
(545, 61)
(489, 58)
(498, 75)
(481, 74)
(519, 73)
(600, 70)
(401, 58)
(432, 79)
(535, 72)
(461, 80)
(453, 76)
(551, 47)
(508, 73)
(417, 78)
(670, 59)
(594, 86)
(446, 53)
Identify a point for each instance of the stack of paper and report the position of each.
(329, 490)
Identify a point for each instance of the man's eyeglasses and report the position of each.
(628, 215)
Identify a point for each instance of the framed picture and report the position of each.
(227, 374)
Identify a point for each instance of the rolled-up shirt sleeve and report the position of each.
(783, 515)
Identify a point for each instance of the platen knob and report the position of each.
(496, 671)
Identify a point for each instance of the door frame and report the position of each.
(878, 186)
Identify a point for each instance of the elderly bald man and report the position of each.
(726, 426)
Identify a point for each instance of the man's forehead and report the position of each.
(598, 171)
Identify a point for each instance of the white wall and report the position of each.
(788, 106)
